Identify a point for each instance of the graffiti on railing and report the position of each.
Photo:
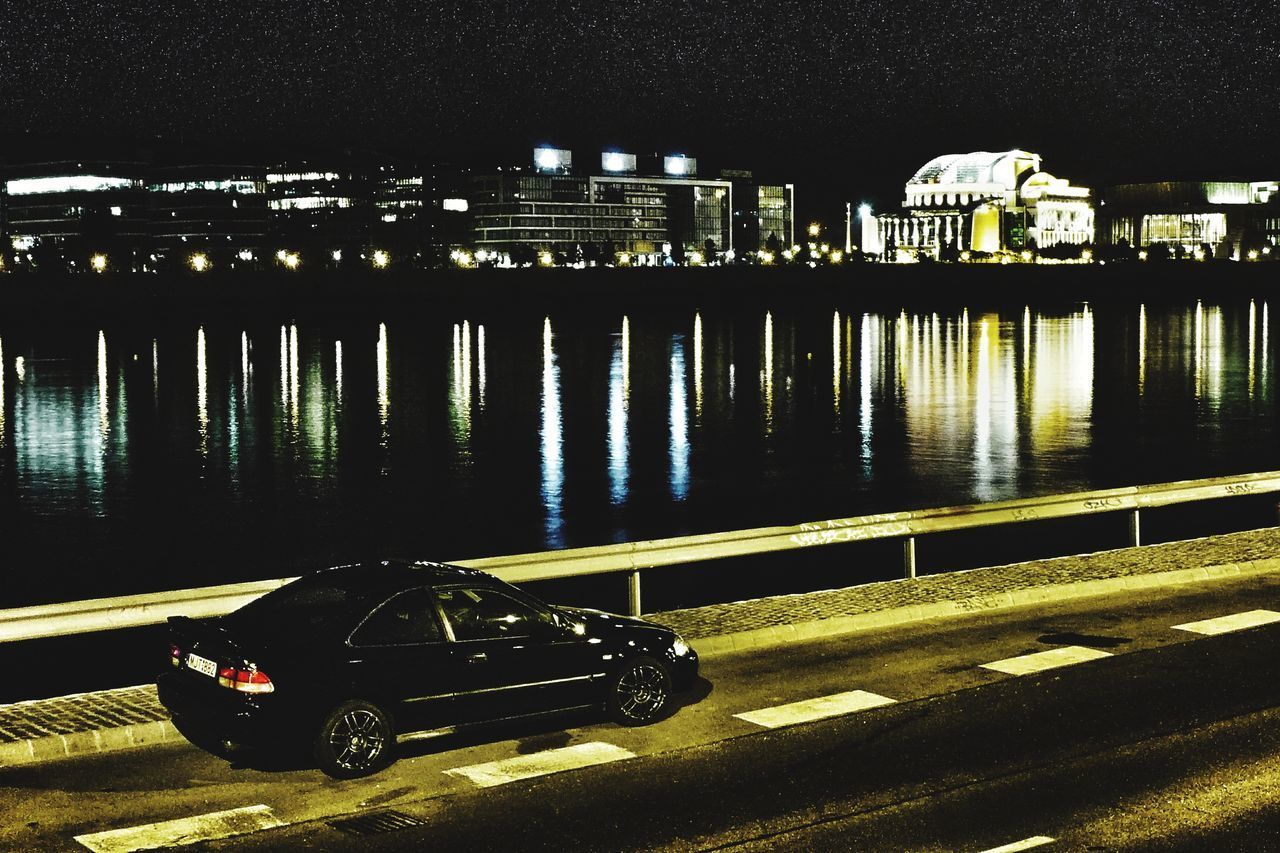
(850, 534)
(844, 523)
(1104, 503)
(1241, 488)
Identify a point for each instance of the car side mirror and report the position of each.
(567, 626)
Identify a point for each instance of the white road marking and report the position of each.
(541, 763)
(815, 709)
(1234, 622)
(1051, 659)
(1024, 844)
(186, 830)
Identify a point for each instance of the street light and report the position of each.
(291, 260)
(695, 258)
(199, 262)
(99, 263)
(546, 259)
(814, 229)
(381, 259)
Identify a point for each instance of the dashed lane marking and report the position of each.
(1234, 622)
(1024, 844)
(1051, 659)
(541, 763)
(187, 830)
(815, 709)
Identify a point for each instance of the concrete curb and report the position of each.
(52, 747)
(778, 635)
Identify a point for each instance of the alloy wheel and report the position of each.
(642, 691)
(357, 739)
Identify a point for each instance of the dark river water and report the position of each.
(149, 454)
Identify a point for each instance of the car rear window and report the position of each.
(319, 602)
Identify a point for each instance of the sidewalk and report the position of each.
(128, 717)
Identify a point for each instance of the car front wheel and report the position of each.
(355, 739)
(639, 691)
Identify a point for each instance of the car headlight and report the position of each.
(680, 647)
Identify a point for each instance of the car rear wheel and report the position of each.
(639, 691)
(355, 739)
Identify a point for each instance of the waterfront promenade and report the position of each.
(131, 717)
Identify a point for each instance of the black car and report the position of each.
(347, 659)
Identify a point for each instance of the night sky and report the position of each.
(848, 97)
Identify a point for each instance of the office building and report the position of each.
(622, 207)
(76, 215)
(1222, 219)
(218, 212)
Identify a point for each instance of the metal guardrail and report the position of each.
(80, 617)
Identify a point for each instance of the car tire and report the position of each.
(639, 692)
(355, 739)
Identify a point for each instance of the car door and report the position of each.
(400, 654)
(517, 657)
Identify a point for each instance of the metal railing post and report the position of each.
(1135, 528)
(633, 592)
(909, 558)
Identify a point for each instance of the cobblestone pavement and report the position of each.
(82, 712)
(718, 619)
(50, 727)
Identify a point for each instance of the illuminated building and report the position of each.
(984, 202)
(1185, 216)
(760, 211)
(219, 210)
(338, 209)
(320, 206)
(147, 214)
(621, 204)
(60, 214)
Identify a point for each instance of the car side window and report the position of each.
(406, 619)
(487, 614)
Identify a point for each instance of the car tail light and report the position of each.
(175, 654)
(251, 680)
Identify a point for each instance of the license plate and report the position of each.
(202, 665)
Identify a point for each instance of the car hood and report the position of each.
(598, 623)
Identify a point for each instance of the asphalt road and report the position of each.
(1169, 741)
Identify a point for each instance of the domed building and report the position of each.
(983, 201)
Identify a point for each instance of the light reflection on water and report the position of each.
(552, 438)
(679, 423)
(202, 392)
(619, 392)
(629, 425)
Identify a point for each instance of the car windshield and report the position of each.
(316, 603)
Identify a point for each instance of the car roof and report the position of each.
(393, 574)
